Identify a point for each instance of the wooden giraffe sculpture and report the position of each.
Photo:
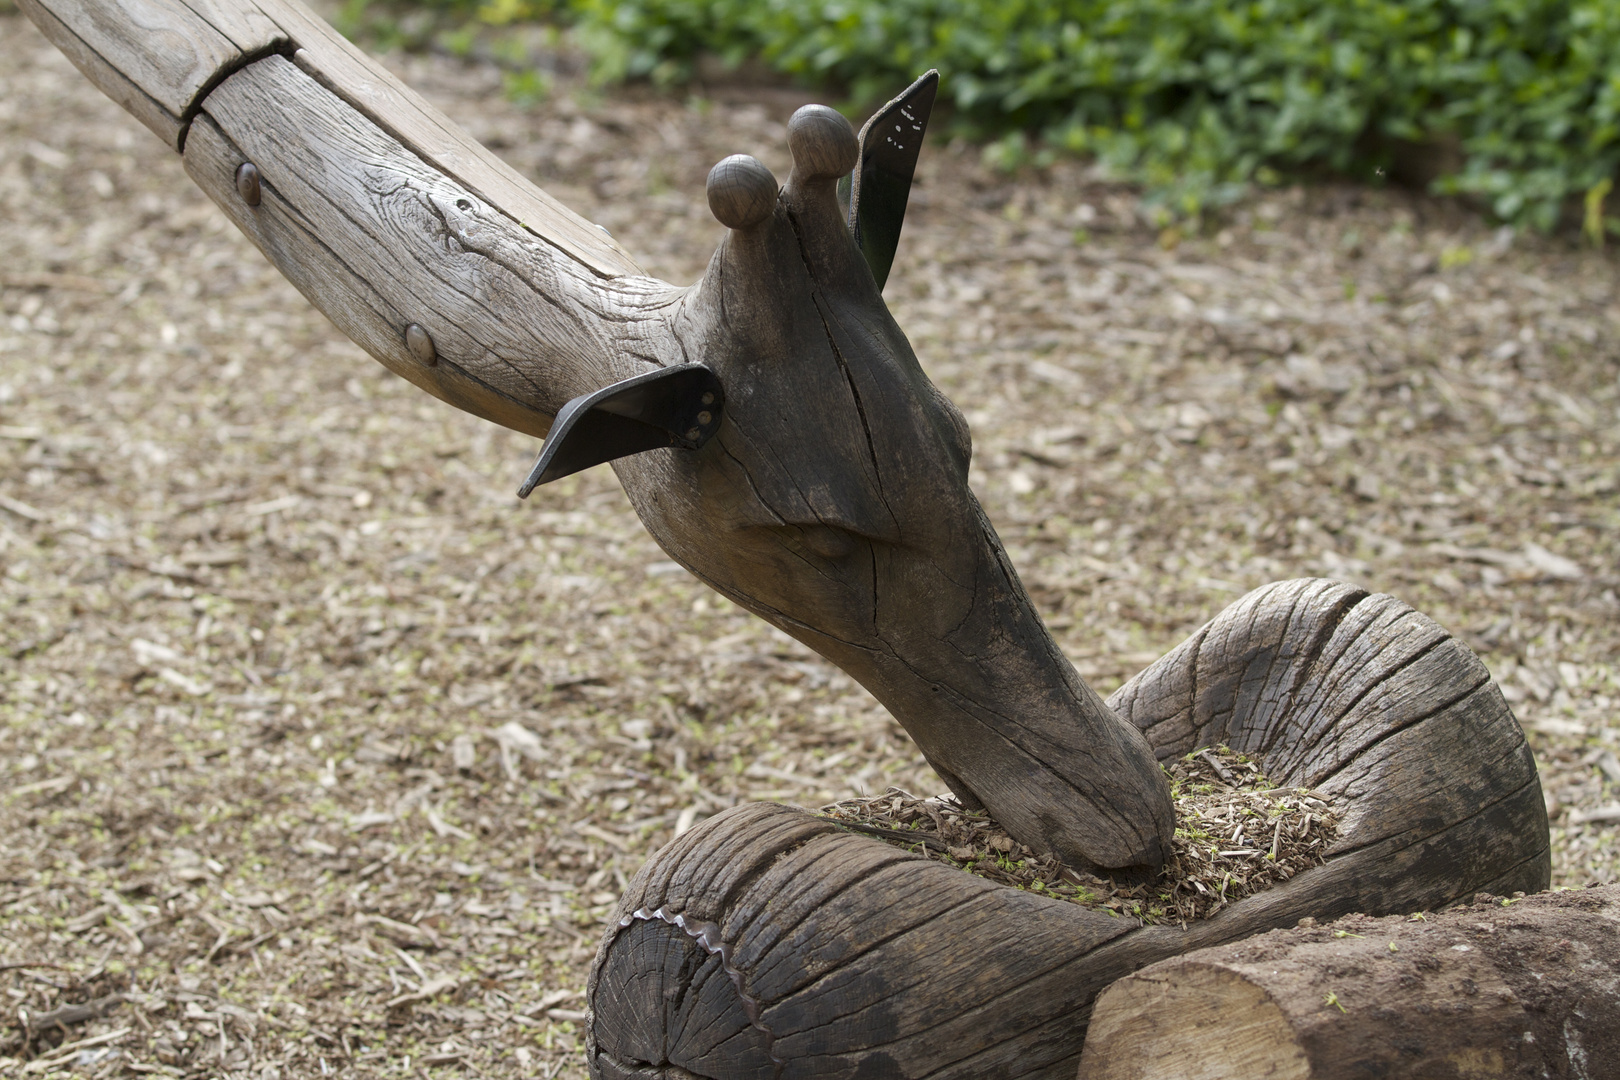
(779, 438)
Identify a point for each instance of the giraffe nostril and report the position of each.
(822, 142)
(742, 192)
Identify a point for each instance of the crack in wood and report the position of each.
(707, 936)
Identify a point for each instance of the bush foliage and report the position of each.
(1199, 98)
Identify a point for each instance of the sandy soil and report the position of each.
(264, 603)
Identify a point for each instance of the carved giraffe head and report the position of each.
(833, 501)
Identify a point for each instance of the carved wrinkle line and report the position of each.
(555, 304)
(782, 931)
(988, 897)
(296, 219)
(387, 311)
(1304, 661)
(844, 368)
(607, 307)
(1357, 755)
(860, 406)
(742, 466)
(707, 937)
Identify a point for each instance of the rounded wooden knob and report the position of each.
(742, 192)
(822, 142)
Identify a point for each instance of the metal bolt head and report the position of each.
(708, 398)
(247, 183)
(704, 417)
(693, 434)
(420, 343)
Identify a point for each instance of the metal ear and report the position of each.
(673, 406)
(880, 186)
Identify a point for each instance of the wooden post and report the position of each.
(1528, 989)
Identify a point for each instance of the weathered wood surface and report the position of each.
(160, 58)
(833, 501)
(843, 956)
(376, 206)
(379, 240)
(1527, 990)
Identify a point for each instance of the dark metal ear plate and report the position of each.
(881, 185)
(673, 406)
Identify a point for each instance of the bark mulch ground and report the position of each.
(324, 754)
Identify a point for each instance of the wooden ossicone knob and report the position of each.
(823, 144)
(742, 192)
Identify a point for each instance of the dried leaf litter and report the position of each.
(1236, 834)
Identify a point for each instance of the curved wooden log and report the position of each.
(833, 499)
(770, 942)
(1527, 990)
(377, 207)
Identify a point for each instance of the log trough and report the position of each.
(778, 437)
(771, 942)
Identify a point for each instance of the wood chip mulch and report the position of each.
(1237, 834)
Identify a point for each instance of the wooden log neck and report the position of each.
(1525, 990)
(833, 500)
(384, 213)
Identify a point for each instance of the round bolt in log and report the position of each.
(1479, 990)
(247, 183)
(742, 192)
(831, 954)
(420, 343)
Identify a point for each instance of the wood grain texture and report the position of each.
(380, 241)
(172, 51)
(858, 956)
(833, 502)
(160, 58)
(163, 122)
(1529, 990)
(345, 69)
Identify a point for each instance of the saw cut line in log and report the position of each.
(1516, 988)
(848, 956)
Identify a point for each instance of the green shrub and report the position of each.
(1196, 99)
